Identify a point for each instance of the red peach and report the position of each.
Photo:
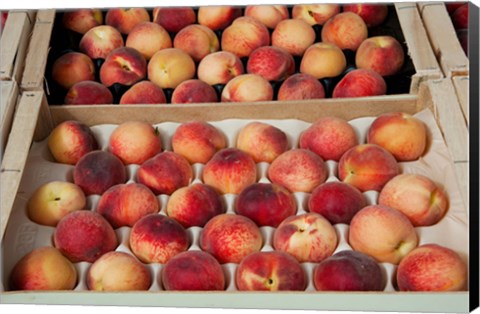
(219, 67)
(268, 15)
(124, 204)
(329, 138)
(84, 236)
(88, 93)
(217, 17)
(229, 238)
(452, 6)
(134, 142)
(230, 170)
(247, 88)
(244, 35)
(124, 66)
(148, 38)
(97, 171)
(174, 19)
(367, 167)
(346, 30)
(193, 271)
(401, 134)
(100, 40)
(299, 170)
(71, 68)
(195, 205)
(196, 40)
(156, 238)
(372, 14)
(338, 202)
(262, 141)
(273, 63)
(315, 13)
(294, 35)
(169, 67)
(44, 268)
(125, 19)
(143, 92)
(194, 91)
(71, 140)
(322, 60)
(165, 173)
(422, 200)
(460, 17)
(432, 267)
(270, 271)
(360, 83)
(82, 20)
(266, 204)
(301, 86)
(198, 141)
(382, 54)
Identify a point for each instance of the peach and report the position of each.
(315, 13)
(143, 92)
(348, 271)
(273, 63)
(270, 271)
(299, 170)
(247, 88)
(193, 91)
(266, 204)
(403, 135)
(217, 17)
(219, 67)
(97, 171)
(84, 236)
(263, 141)
(156, 238)
(338, 202)
(194, 205)
(198, 141)
(382, 54)
(229, 238)
(268, 15)
(82, 20)
(134, 142)
(244, 35)
(148, 38)
(100, 40)
(460, 17)
(367, 167)
(125, 204)
(372, 14)
(307, 237)
(432, 267)
(230, 170)
(71, 68)
(422, 200)
(323, 60)
(125, 19)
(196, 40)
(294, 35)
(118, 271)
(124, 66)
(88, 93)
(175, 18)
(169, 67)
(360, 83)
(383, 233)
(43, 268)
(193, 271)
(301, 86)
(53, 200)
(71, 140)
(329, 138)
(165, 173)
(346, 30)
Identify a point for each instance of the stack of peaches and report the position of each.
(240, 205)
(225, 54)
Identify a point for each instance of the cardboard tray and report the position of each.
(35, 119)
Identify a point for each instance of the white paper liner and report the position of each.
(23, 235)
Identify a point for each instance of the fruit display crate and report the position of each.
(444, 38)
(14, 42)
(8, 102)
(27, 164)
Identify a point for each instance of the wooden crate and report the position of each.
(8, 102)
(419, 49)
(13, 44)
(462, 86)
(35, 119)
(443, 38)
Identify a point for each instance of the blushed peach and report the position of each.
(196, 40)
(244, 35)
(273, 63)
(124, 66)
(346, 30)
(148, 38)
(323, 60)
(301, 86)
(247, 88)
(143, 92)
(169, 67)
(71, 68)
(100, 40)
(268, 15)
(217, 17)
(173, 19)
(293, 35)
(88, 93)
(219, 67)
(360, 83)
(373, 14)
(193, 91)
(382, 54)
(125, 19)
(315, 13)
(82, 20)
